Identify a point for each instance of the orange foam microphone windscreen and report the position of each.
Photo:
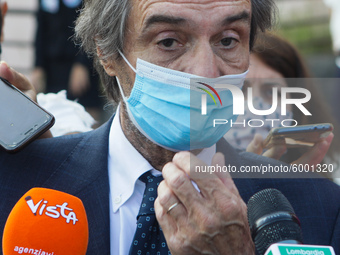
(46, 222)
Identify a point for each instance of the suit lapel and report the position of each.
(85, 175)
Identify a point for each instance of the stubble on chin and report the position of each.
(154, 154)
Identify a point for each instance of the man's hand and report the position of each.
(18, 80)
(212, 221)
(313, 156)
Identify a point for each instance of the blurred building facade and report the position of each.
(19, 31)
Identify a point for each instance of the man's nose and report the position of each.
(204, 62)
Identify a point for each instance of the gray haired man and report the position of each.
(204, 38)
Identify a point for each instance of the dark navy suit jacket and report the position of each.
(77, 165)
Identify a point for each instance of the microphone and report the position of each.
(275, 228)
(46, 222)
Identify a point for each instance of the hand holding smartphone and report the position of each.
(21, 119)
(298, 136)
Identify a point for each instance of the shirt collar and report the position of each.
(126, 164)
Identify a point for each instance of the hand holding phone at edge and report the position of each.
(21, 82)
(312, 157)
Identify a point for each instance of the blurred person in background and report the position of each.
(59, 63)
(273, 59)
(334, 25)
(334, 6)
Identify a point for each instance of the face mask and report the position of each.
(166, 107)
(240, 136)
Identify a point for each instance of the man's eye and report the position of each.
(228, 42)
(167, 43)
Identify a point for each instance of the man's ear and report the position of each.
(4, 8)
(107, 65)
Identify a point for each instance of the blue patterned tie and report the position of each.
(149, 238)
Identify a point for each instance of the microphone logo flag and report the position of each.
(52, 211)
(302, 249)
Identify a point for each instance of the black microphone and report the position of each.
(272, 220)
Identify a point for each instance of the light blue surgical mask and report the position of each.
(165, 106)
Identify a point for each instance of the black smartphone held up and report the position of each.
(303, 135)
(21, 119)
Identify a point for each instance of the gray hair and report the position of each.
(101, 25)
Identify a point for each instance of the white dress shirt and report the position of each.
(126, 165)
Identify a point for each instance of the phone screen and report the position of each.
(20, 118)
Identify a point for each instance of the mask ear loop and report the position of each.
(127, 61)
(121, 90)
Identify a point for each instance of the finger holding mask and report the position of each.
(210, 220)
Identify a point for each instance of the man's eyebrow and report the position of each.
(154, 19)
(243, 16)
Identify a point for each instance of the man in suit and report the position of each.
(102, 167)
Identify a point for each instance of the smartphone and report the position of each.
(21, 119)
(298, 136)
